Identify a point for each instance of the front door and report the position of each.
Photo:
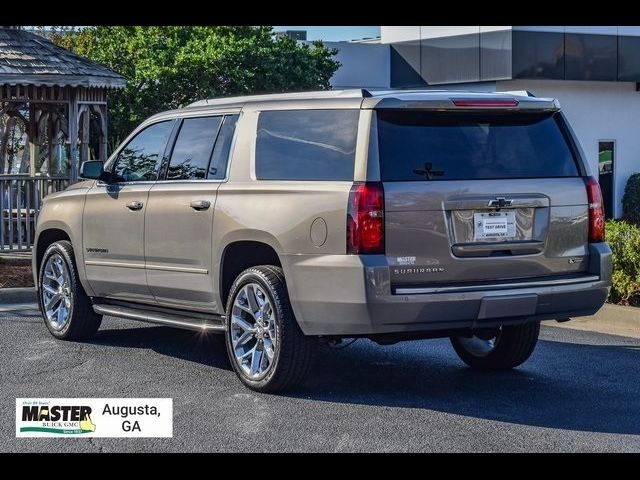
(113, 222)
(179, 219)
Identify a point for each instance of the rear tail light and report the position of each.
(485, 102)
(596, 211)
(365, 218)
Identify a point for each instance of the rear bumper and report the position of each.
(351, 295)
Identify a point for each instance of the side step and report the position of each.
(173, 318)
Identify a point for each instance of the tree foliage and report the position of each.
(168, 67)
(631, 199)
(624, 240)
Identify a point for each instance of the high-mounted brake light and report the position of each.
(365, 218)
(596, 211)
(485, 102)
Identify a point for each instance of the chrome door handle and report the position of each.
(200, 204)
(137, 205)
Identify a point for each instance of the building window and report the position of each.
(538, 55)
(606, 159)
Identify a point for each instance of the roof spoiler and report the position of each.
(520, 93)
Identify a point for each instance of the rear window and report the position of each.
(418, 145)
(306, 144)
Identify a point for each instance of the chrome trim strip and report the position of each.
(100, 263)
(155, 317)
(203, 271)
(502, 286)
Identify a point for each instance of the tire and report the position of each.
(291, 353)
(513, 346)
(81, 322)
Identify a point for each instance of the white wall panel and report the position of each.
(597, 111)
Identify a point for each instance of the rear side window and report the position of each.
(193, 148)
(415, 145)
(306, 144)
(220, 157)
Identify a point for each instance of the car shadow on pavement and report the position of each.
(575, 386)
(205, 348)
(594, 388)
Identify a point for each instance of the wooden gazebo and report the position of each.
(53, 116)
(54, 94)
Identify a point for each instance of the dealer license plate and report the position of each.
(496, 226)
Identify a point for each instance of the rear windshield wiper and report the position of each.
(428, 171)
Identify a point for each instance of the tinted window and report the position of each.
(306, 145)
(629, 59)
(591, 57)
(193, 147)
(538, 54)
(220, 157)
(472, 146)
(140, 159)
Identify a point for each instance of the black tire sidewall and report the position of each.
(514, 347)
(56, 248)
(252, 276)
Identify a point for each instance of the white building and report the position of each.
(593, 71)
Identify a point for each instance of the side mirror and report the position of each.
(93, 170)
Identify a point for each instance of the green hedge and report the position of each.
(631, 199)
(624, 239)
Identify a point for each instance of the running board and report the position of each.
(211, 323)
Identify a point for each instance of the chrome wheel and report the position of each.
(480, 345)
(56, 292)
(253, 331)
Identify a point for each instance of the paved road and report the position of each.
(579, 392)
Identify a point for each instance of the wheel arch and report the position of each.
(46, 237)
(240, 254)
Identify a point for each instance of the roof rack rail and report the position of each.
(347, 93)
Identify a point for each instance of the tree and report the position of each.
(168, 67)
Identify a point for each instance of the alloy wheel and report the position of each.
(56, 292)
(253, 331)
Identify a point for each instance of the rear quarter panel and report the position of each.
(281, 213)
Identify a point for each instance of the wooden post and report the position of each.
(73, 134)
(33, 138)
(85, 117)
(103, 132)
(50, 139)
(5, 165)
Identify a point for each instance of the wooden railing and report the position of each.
(20, 201)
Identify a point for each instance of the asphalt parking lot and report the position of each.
(580, 391)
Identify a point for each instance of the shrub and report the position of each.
(631, 199)
(624, 239)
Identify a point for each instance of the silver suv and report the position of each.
(284, 221)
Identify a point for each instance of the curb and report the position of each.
(17, 295)
(15, 259)
(611, 319)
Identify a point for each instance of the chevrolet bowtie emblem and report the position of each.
(500, 202)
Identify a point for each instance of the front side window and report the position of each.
(140, 159)
(306, 144)
(193, 148)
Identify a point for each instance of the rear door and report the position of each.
(481, 196)
(179, 221)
